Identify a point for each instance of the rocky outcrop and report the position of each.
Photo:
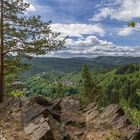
(38, 128)
(64, 119)
(42, 120)
(109, 124)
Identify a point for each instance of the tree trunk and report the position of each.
(1, 55)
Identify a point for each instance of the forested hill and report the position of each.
(63, 65)
(117, 61)
(68, 65)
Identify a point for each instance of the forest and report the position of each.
(69, 70)
(118, 84)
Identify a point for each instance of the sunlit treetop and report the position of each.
(134, 24)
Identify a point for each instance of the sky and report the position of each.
(95, 27)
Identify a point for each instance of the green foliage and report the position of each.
(132, 112)
(72, 66)
(62, 65)
(50, 85)
(131, 68)
(91, 92)
(60, 88)
(132, 24)
(22, 37)
(88, 84)
(39, 85)
(17, 93)
(123, 88)
(120, 86)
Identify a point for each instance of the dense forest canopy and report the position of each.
(118, 85)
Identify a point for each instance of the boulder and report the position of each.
(39, 128)
(42, 120)
(33, 111)
(115, 116)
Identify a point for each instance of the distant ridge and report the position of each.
(69, 65)
(117, 60)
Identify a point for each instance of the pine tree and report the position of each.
(22, 36)
(60, 88)
(88, 84)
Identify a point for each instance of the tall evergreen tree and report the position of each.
(89, 85)
(22, 36)
(60, 88)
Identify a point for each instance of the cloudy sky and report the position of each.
(94, 27)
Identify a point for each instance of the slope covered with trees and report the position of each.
(118, 86)
(74, 65)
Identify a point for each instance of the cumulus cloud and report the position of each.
(91, 46)
(126, 31)
(78, 30)
(86, 43)
(103, 13)
(123, 10)
(89, 41)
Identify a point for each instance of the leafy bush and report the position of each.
(132, 112)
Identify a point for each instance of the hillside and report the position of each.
(117, 61)
(71, 65)
(120, 86)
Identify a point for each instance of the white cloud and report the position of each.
(123, 10)
(89, 41)
(78, 30)
(91, 46)
(126, 31)
(103, 13)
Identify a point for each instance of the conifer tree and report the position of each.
(60, 88)
(22, 36)
(88, 84)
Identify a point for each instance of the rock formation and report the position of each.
(64, 119)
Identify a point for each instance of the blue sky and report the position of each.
(94, 27)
